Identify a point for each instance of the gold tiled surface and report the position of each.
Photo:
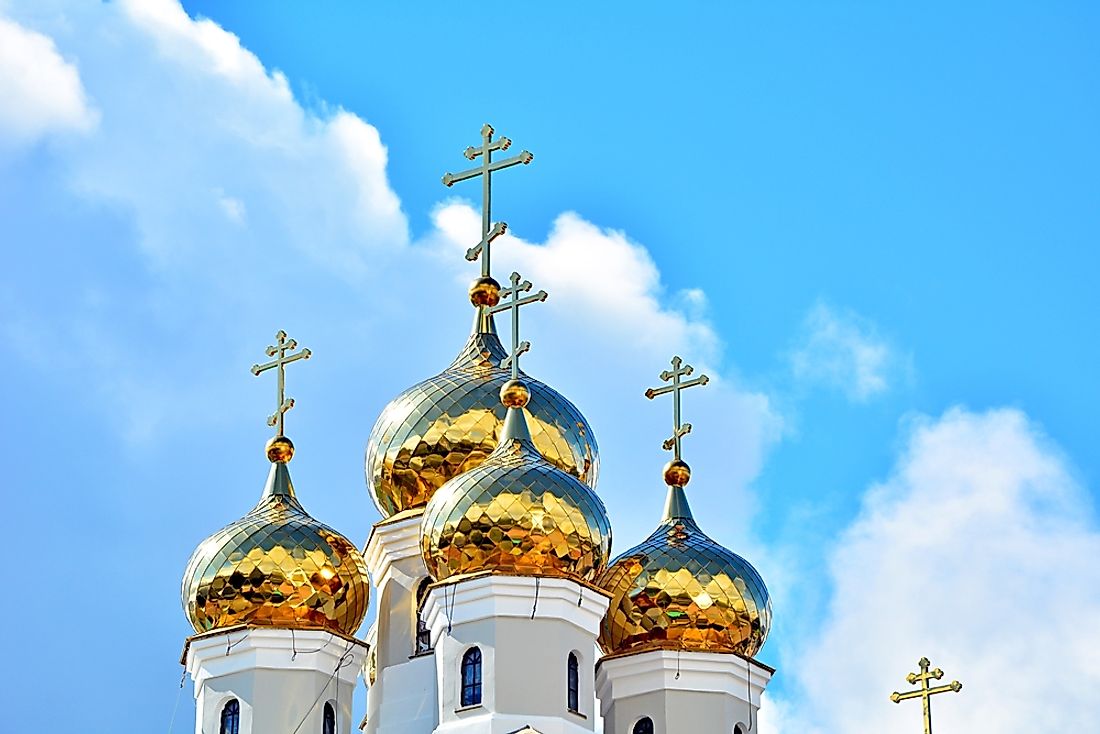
(680, 589)
(516, 514)
(450, 423)
(276, 566)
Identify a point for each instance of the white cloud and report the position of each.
(607, 329)
(978, 552)
(236, 198)
(41, 91)
(842, 350)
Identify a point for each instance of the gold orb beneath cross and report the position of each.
(485, 292)
(279, 449)
(514, 394)
(677, 473)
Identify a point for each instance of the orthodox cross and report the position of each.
(489, 232)
(510, 301)
(925, 693)
(279, 350)
(679, 370)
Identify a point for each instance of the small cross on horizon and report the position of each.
(925, 693)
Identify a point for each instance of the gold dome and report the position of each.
(450, 423)
(515, 513)
(276, 567)
(681, 590)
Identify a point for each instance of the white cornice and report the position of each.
(390, 541)
(671, 670)
(268, 648)
(498, 596)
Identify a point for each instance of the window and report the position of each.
(423, 634)
(471, 677)
(644, 726)
(329, 725)
(573, 683)
(738, 730)
(231, 717)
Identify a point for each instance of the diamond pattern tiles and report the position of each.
(516, 514)
(450, 423)
(278, 567)
(680, 589)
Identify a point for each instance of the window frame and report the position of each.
(328, 721)
(422, 636)
(231, 715)
(573, 683)
(470, 680)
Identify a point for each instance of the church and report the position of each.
(499, 607)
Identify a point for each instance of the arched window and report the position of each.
(644, 726)
(471, 677)
(423, 634)
(573, 683)
(231, 717)
(329, 724)
(738, 730)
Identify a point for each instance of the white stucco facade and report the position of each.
(281, 679)
(525, 629)
(402, 698)
(681, 691)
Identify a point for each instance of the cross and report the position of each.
(485, 170)
(510, 301)
(679, 369)
(279, 350)
(925, 693)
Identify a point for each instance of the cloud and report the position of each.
(979, 552)
(609, 326)
(42, 92)
(842, 350)
(243, 211)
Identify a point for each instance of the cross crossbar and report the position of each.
(279, 350)
(486, 170)
(679, 430)
(510, 300)
(925, 692)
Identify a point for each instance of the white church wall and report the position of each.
(524, 659)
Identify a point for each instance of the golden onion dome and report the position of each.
(449, 424)
(681, 590)
(516, 512)
(277, 566)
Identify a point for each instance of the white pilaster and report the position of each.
(526, 628)
(402, 699)
(681, 691)
(281, 678)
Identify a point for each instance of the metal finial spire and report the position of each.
(925, 693)
(279, 350)
(679, 369)
(489, 231)
(510, 301)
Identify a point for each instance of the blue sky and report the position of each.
(876, 227)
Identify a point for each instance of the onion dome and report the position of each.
(516, 513)
(450, 423)
(277, 566)
(681, 590)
